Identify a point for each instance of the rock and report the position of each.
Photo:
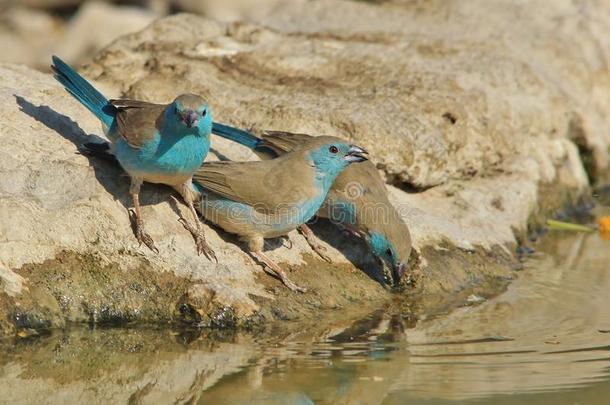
(461, 105)
(67, 252)
(81, 41)
(26, 36)
(232, 10)
(30, 36)
(486, 118)
(47, 4)
(480, 132)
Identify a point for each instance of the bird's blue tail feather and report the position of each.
(84, 92)
(236, 135)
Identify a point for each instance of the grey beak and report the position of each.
(355, 154)
(399, 271)
(191, 118)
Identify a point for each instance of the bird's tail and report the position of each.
(83, 91)
(240, 136)
(100, 150)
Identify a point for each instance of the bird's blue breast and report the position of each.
(241, 216)
(164, 155)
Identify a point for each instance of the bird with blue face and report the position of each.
(357, 200)
(261, 199)
(156, 143)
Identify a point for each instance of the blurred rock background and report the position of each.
(33, 30)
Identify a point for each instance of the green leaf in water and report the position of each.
(566, 226)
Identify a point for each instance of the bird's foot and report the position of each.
(138, 230)
(200, 242)
(275, 270)
(314, 244)
(320, 250)
(347, 232)
(287, 242)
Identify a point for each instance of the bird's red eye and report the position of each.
(333, 149)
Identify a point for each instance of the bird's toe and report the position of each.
(205, 249)
(323, 253)
(140, 234)
(145, 238)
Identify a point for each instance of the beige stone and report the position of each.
(474, 113)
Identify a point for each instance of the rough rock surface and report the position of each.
(479, 130)
(64, 229)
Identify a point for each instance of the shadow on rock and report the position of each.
(219, 155)
(114, 180)
(354, 249)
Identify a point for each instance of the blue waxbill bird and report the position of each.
(156, 143)
(261, 199)
(358, 199)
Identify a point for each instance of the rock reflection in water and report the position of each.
(545, 335)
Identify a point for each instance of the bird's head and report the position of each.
(387, 235)
(193, 113)
(390, 253)
(333, 156)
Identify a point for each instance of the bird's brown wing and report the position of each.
(137, 121)
(282, 142)
(360, 180)
(268, 185)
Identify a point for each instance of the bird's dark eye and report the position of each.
(204, 112)
(176, 110)
(388, 252)
(333, 149)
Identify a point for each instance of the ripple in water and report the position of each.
(545, 340)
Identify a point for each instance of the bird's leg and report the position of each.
(313, 242)
(256, 244)
(287, 241)
(135, 217)
(197, 230)
(273, 269)
(349, 231)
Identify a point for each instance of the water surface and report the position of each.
(546, 340)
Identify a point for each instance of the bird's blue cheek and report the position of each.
(205, 124)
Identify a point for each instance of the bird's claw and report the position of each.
(350, 233)
(200, 242)
(285, 280)
(279, 273)
(139, 233)
(203, 247)
(322, 252)
(292, 286)
(272, 268)
(288, 242)
(316, 246)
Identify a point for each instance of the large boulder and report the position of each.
(480, 131)
(433, 100)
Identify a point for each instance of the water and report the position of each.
(544, 341)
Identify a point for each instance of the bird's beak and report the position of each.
(190, 118)
(356, 154)
(399, 271)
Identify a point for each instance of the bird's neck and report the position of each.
(324, 178)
